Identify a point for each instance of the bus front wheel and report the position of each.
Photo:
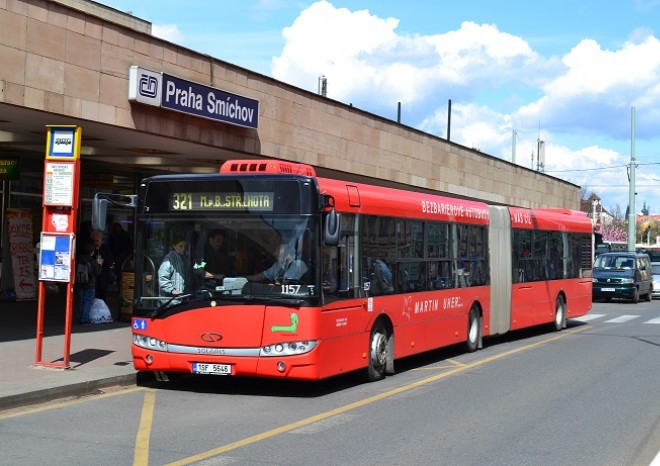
(377, 353)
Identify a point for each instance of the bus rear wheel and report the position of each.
(560, 314)
(474, 331)
(377, 353)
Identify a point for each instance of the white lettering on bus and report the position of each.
(453, 302)
(523, 217)
(341, 322)
(428, 305)
(454, 210)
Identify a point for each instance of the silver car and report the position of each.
(656, 279)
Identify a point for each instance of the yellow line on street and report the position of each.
(141, 456)
(455, 362)
(363, 402)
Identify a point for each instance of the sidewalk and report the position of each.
(99, 356)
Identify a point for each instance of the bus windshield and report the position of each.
(238, 256)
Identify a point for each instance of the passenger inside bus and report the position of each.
(174, 276)
(381, 277)
(218, 264)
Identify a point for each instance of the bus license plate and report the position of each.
(213, 369)
(607, 289)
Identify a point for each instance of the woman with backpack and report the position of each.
(87, 270)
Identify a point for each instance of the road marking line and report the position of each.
(141, 455)
(656, 460)
(588, 317)
(653, 321)
(456, 363)
(366, 401)
(453, 364)
(621, 319)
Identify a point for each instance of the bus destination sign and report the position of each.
(256, 201)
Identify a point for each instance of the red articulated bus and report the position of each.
(323, 277)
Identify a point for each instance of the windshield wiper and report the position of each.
(199, 295)
(274, 300)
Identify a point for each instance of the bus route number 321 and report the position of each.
(213, 369)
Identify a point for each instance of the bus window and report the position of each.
(378, 242)
(340, 262)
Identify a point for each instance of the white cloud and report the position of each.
(474, 126)
(366, 61)
(334, 42)
(168, 32)
(599, 87)
(580, 102)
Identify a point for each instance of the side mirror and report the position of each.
(331, 228)
(99, 209)
(100, 206)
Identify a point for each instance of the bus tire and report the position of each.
(377, 353)
(473, 331)
(560, 314)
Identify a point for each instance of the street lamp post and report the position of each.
(631, 191)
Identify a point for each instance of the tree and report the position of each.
(648, 229)
(617, 229)
(612, 232)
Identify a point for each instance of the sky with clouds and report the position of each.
(570, 73)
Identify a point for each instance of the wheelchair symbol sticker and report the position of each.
(139, 324)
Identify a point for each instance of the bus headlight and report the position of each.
(144, 341)
(289, 348)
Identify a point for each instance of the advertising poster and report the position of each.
(21, 247)
(55, 257)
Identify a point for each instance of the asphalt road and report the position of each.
(587, 395)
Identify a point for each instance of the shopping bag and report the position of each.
(100, 313)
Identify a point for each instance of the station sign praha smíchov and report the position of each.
(172, 93)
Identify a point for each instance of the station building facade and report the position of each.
(149, 106)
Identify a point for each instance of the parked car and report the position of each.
(656, 279)
(622, 275)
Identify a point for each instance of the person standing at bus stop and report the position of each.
(102, 255)
(174, 276)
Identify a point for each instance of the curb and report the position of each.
(88, 387)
